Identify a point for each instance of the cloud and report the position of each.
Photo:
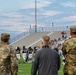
(69, 18)
(15, 19)
(40, 4)
(69, 4)
(51, 13)
(13, 5)
(16, 28)
(43, 3)
(13, 23)
(69, 24)
(65, 21)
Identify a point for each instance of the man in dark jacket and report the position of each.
(46, 60)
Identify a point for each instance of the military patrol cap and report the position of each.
(73, 29)
(5, 36)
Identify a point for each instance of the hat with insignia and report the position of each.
(73, 28)
(5, 36)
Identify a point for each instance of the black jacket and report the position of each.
(46, 61)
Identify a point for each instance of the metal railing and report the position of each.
(41, 29)
(19, 36)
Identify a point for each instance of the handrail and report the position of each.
(41, 29)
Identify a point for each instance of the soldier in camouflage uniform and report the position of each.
(8, 61)
(69, 52)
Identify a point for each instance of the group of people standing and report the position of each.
(26, 53)
(46, 61)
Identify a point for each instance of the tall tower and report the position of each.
(35, 16)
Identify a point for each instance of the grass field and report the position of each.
(25, 69)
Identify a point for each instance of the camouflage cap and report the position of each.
(5, 36)
(73, 28)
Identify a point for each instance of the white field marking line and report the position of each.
(24, 74)
(19, 39)
(60, 71)
(20, 71)
(39, 40)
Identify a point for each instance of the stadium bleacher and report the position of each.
(34, 39)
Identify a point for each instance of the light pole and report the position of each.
(52, 25)
(30, 29)
(35, 16)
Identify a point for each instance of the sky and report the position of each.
(16, 16)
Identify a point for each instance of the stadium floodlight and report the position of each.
(35, 16)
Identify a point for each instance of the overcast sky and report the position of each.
(17, 15)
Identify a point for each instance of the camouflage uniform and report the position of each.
(69, 52)
(8, 62)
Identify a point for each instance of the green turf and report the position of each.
(60, 72)
(25, 69)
